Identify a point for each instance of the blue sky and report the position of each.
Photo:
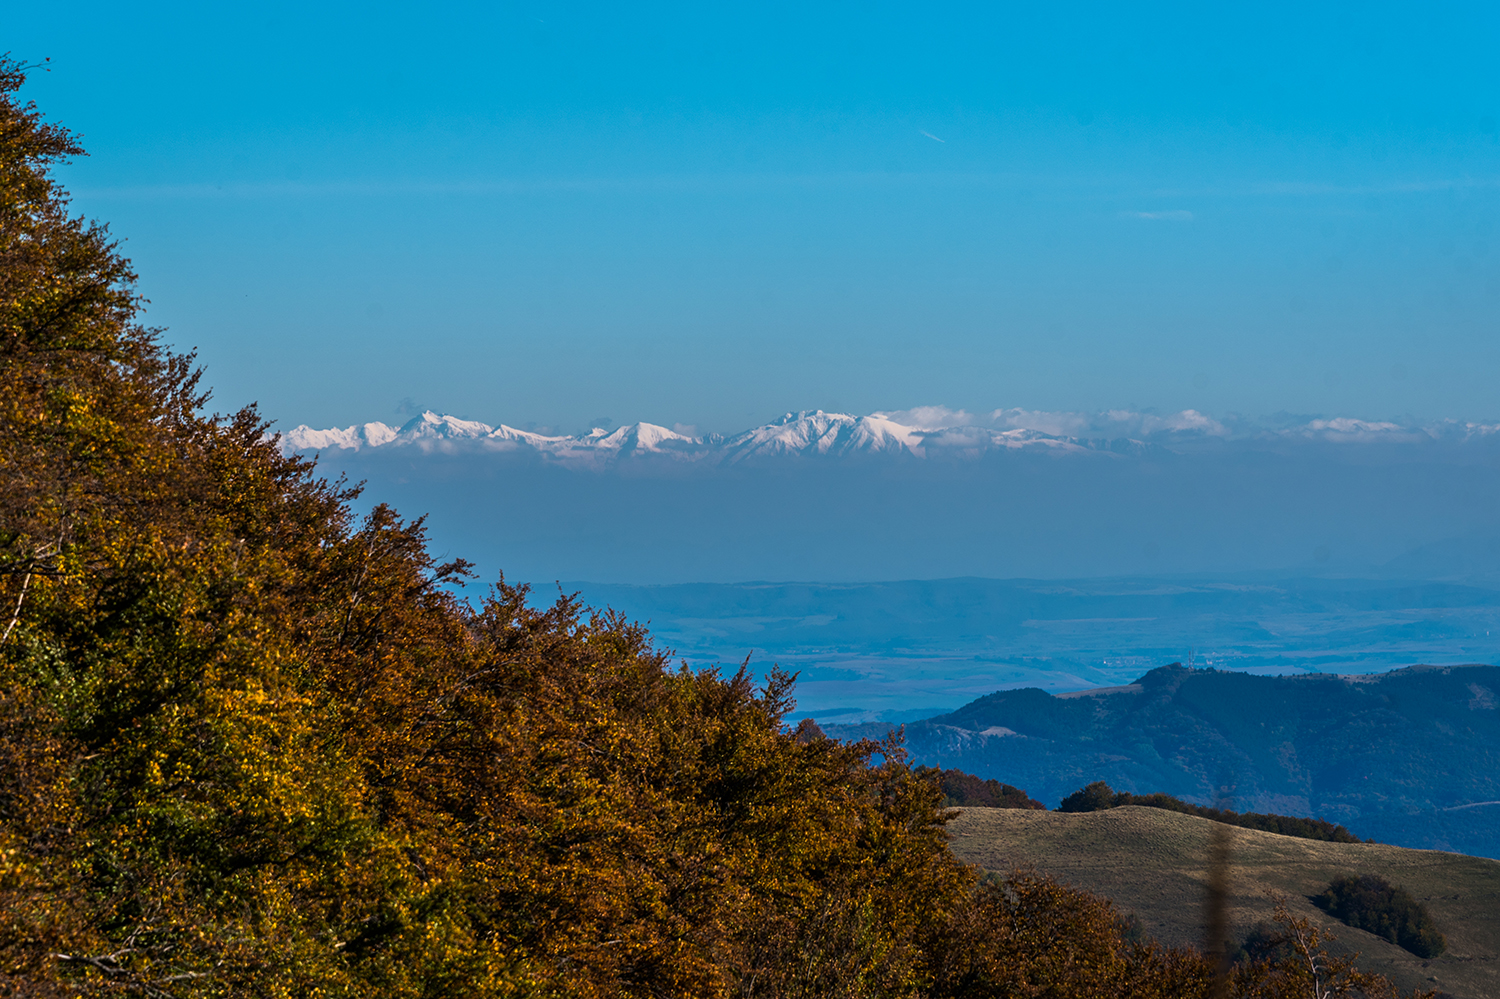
(555, 213)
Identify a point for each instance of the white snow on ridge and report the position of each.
(646, 437)
(305, 438)
(431, 427)
(503, 435)
(820, 433)
(639, 439)
(927, 432)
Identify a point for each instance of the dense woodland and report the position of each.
(253, 744)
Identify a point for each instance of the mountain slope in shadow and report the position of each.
(1410, 757)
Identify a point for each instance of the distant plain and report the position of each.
(901, 651)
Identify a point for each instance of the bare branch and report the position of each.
(16, 616)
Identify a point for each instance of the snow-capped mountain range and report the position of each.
(919, 433)
(813, 433)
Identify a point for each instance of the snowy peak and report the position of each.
(361, 435)
(432, 427)
(427, 428)
(819, 433)
(503, 435)
(646, 438)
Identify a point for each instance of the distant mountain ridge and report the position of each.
(1410, 757)
(808, 433)
(927, 433)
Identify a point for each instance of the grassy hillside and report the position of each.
(1151, 863)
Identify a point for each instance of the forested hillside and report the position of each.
(253, 745)
(1410, 757)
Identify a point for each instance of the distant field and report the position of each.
(1151, 863)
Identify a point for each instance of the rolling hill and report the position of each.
(1151, 863)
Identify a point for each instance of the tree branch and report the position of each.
(16, 615)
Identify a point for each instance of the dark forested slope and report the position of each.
(1407, 757)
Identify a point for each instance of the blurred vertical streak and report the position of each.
(1216, 901)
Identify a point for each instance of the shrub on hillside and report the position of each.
(1263, 942)
(1373, 904)
(963, 790)
(1095, 797)
(1099, 796)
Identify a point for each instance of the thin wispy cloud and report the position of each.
(1305, 189)
(1177, 215)
(1086, 187)
(524, 187)
(931, 136)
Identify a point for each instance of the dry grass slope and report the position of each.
(1151, 863)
